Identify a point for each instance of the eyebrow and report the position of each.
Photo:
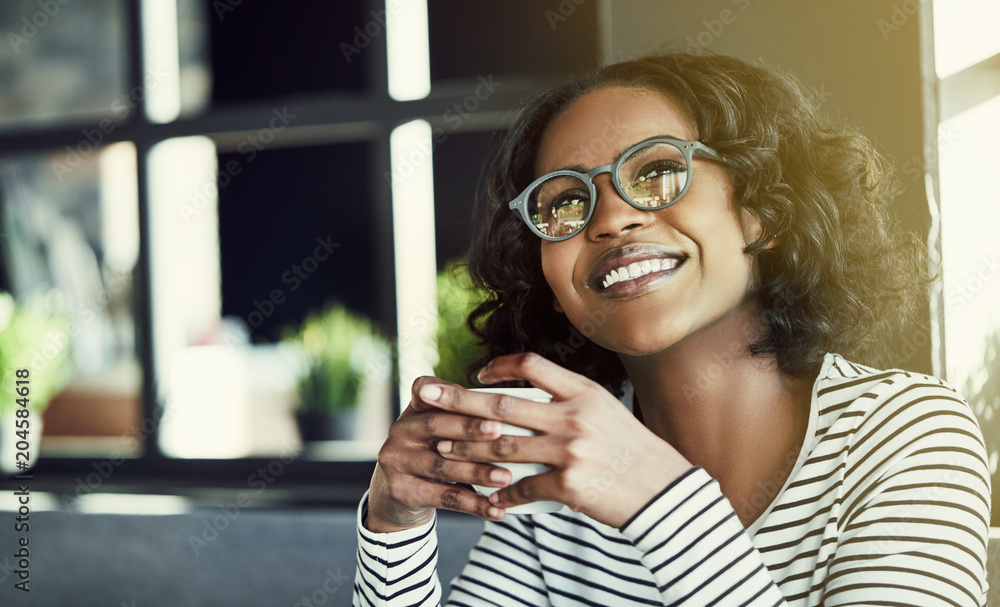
(579, 168)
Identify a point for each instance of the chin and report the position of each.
(638, 341)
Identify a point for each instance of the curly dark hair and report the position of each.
(838, 277)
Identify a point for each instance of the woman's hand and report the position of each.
(602, 461)
(411, 479)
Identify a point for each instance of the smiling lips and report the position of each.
(638, 268)
(633, 269)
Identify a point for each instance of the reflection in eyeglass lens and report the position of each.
(559, 206)
(654, 175)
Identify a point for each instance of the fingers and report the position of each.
(460, 499)
(436, 467)
(506, 448)
(416, 402)
(415, 492)
(421, 478)
(510, 409)
(561, 383)
(436, 424)
(528, 489)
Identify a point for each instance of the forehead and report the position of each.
(596, 128)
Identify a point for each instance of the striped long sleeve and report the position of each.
(887, 504)
(397, 568)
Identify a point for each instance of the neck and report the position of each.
(734, 414)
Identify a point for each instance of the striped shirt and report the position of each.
(888, 503)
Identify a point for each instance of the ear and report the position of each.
(752, 230)
(751, 226)
(557, 306)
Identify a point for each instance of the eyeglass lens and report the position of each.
(651, 177)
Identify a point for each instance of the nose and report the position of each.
(613, 217)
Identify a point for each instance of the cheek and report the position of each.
(558, 266)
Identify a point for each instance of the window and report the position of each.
(967, 62)
(189, 180)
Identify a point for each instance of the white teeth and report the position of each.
(637, 269)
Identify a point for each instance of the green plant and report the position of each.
(457, 346)
(33, 337)
(340, 347)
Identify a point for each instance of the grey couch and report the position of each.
(271, 558)
(258, 558)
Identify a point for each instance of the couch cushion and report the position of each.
(202, 558)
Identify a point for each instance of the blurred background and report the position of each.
(229, 230)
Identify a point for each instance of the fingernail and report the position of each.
(444, 446)
(484, 372)
(495, 498)
(491, 427)
(431, 392)
(498, 476)
(495, 512)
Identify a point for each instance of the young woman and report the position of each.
(682, 251)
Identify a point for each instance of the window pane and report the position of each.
(965, 33)
(65, 66)
(195, 71)
(472, 39)
(271, 50)
(970, 214)
(71, 226)
(459, 162)
(244, 247)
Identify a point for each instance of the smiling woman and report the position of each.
(724, 228)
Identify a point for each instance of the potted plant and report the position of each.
(339, 347)
(33, 338)
(457, 346)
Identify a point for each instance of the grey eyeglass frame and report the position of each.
(687, 148)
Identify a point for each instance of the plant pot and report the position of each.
(326, 426)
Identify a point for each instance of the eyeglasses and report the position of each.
(651, 175)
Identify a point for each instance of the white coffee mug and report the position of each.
(521, 470)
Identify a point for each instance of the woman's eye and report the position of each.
(659, 169)
(566, 199)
